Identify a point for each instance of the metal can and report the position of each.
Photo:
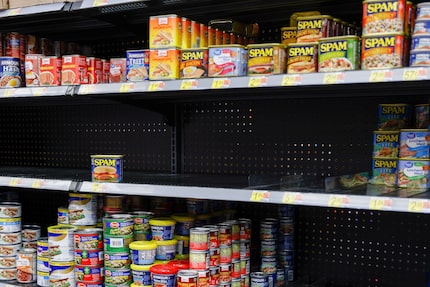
(141, 227)
(227, 60)
(7, 274)
(182, 246)
(118, 224)
(89, 273)
(10, 209)
(32, 70)
(423, 11)
(114, 203)
(259, 279)
(10, 225)
(199, 260)
(164, 64)
(117, 276)
(194, 63)
(30, 233)
(117, 260)
(268, 264)
(245, 226)
(245, 266)
(268, 247)
(199, 238)
(245, 248)
(214, 257)
(43, 247)
(286, 257)
(88, 257)
(245, 280)
(10, 72)
(165, 31)
(107, 168)
(74, 70)
(10, 238)
(137, 65)
(88, 239)
(414, 143)
(235, 269)
(266, 59)
(286, 242)
(42, 264)
(163, 275)
(8, 261)
(60, 243)
(413, 173)
(166, 249)
(203, 278)
(225, 234)
(9, 250)
(383, 16)
(225, 271)
(384, 171)
(269, 229)
(62, 272)
(214, 276)
(393, 117)
(50, 71)
(118, 243)
(422, 116)
(225, 254)
(141, 274)
(187, 278)
(213, 236)
(42, 278)
(288, 35)
(338, 54)
(13, 44)
(94, 70)
(313, 28)
(302, 58)
(386, 144)
(382, 51)
(184, 223)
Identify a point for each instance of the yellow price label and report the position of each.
(411, 74)
(99, 2)
(333, 78)
(87, 89)
(126, 87)
(256, 82)
(13, 12)
(291, 197)
(98, 187)
(37, 92)
(380, 76)
(220, 83)
(416, 205)
(38, 183)
(291, 80)
(155, 86)
(15, 182)
(189, 84)
(9, 92)
(260, 196)
(380, 203)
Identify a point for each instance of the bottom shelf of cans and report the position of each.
(112, 240)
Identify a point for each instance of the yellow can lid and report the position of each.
(143, 245)
(140, 268)
(182, 217)
(167, 242)
(162, 221)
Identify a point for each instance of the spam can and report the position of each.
(288, 35)
(313, 28)
(107, 168)
(266, 59)
(382, 51)
(384, 171)
(383, 16)
(338, 54)
(393, 117)
(302, 58)
(413, 173)
(194, 63)
(10, 209)
(414, 143)
(137, 65)
(10, 72)
(422, 116)
(227, 60)
(386, 144)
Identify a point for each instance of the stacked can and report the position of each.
(26, 265)
(269, 228)
(184, 222)
(82, 209)
(10, 238)
(163, 230)
(118, 234)
(42, 262)
(114, 204)
(245, 225)
(214, 254)
(420, 49)
(141, 227)
(61, 255)
(62, 215)
(88, 246)
(286, 252)
(142, 258)
(199, 208)
(30, 234)
(226, 254)
(199, 259)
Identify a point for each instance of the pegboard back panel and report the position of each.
(64, 136)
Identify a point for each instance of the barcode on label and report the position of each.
(116, 242)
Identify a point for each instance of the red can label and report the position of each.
(94, 70)
(32, 70)
(50, 71)
(74, 70)
(89, 257)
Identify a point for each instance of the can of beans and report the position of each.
(187, 278)
(26, 266)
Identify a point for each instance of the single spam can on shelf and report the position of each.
(288, 35)
(118, 277)
(10, 238)
(162, 228)
(82, 209)
(302, 58)
(266, 59)
(10, 225)
(118, 224)
(227, 61)
(89, 257)
(338, 54)
(10, 72)
(137, 65)
(413, 173)
(393, 117)
(117, 243)
(383, 16)
(384, 171)
(141, 226)
(117, 259)
(194, 63)
(382, 51)
(414, 143)
(10, 209)
(107, 168)
(386, 144)
(30, 233)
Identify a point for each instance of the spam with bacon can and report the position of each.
(266, 59)
(194, 63)
(383, 16)
(382, 51)
(302, 58)
(338, 54)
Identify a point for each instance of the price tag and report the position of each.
(156, 86)
(220, 83)
(257, 82)
(15, 182)
(87, 89)
(291, 197)
(415, 74)
(13, 12)
(126, 87)
(189, 84)
(419, 205)
(380, 76)
(37, 92)
(338, 201)
(38, 183)
(333, 78)
(260, 196)
(99, 2)
(9, 92)
(98, 187)
(291, 80)
(377, 203)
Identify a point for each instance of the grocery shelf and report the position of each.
(37, 92)
(32, 10)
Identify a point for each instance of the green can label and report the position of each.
(338, 54)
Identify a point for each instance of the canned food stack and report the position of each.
(226, 254)
(199, 259)
(386, 37)
(61, 255)
(62, 215)
(286, 250)
(142, 258)
(420, 47)
(163, 230)
(42, 262)
(10, 238)
(118, 235)
(89, 257)
(141, 226)
(269, 232)
(245, 226)
(214, 254)
(184, 222)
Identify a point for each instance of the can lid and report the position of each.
(164, 269)
(141, 267)
(143, 245)
(181, 264)
(179, 217)
(162, 221)
(166, 242)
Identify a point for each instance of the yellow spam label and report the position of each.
(387, 138)
(289, 33)
(382, 51)
(301, 51)
(266, 59)
(338, 54)
(260, 56)
(309, 24)
(301, 58)
(380, 42)
(383, 6)
(393, 109)
(385, 163)
(193, 63)
(192, 55)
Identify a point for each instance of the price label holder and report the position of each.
(87, 89)
(260, 196)
(257, 82)
(380, 76)
(338, 201)
(15, 182)
(380, 203)
(415, 74)
(14, 12)
(334, 78)
(9, 93)
(419, 205)
(100, 2)
(37, 92)
(291, 80)
(292, 197)
(156, 86)
(189, 84)
(221, 83)
(127, 87)
(38, 183)
(98, 187)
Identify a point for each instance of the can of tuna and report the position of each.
(166, 249)
(259, 279)
(10, 225)
(30, 233)
(184, 223)
(235, 270)
(203, 278)
(7, 262)
(163, 275)
(268, 229)
(414, 143)
(117, 260)
(88, 257)
(89, 273)
(60, 243)
(245, 248)
(213, 236)
(286, 242)
(245, 280)
(42, 264)
(141, 227)
(214, 276)
(42, 278)
(82, 209)
(89, 239)
(245, 266)
(268, 264)
(199, 238)
(10, 209)
(187, 278)
(114, 203)
(182, 246)
(141, 274)
(225, 254)
(42, 247)
(225, 237)
(143, 252)
(62, 273)
(10, 238)
(162, 228)
(199, 259)
(245, 225)
(117, 276)
(117, 243)
(26, 266)
(214, 257)
(10, 72)
(225, 271)
(286, 257)
(118, 224)
(63, 215)
(9, 250)
(268, 247)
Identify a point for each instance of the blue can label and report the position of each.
(137, 65)
(163, 280)
(142, 278)
(415, 144)
(162, 232)
(10, 72)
